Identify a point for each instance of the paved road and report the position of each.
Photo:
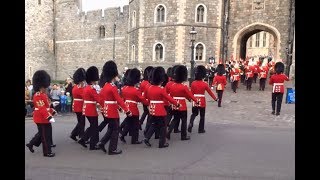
(243, 142)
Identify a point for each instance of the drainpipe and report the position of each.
(290, 37)
(225, 27)
(54, 39)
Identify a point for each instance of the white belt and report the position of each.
(236, 75)
(130, 101)
(262, 72)
(156, 102)
(181, 98)
(77, 99)
(38, 109)
(90, 102)
(110, 102)
(276, 84)
(199, 95)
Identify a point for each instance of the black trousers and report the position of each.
(242, 77)
(169, 114)
(44, 136)
(183, 116)
(195, 112)
(176, 119)
(112, 134)
(144, 114)
(255, 75)
(92, 132)
(131, 125)
(158, 124)
(249, 83)
(103, 124)
(262, 83)
(220, 93)
(79, 129)
(276, 97)
(234, 86)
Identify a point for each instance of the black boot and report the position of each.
(101, 146)
(137, 142)
(164, 146)
(74, 138)
(30, 147)
(122, 139)
(146, 142)
(278, 113)
(201, 131)
(82, 143)
(115, 152)
(190, 128)
(49, 155)
(185, 138)
(273, 112)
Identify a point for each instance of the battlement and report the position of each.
(112, 13)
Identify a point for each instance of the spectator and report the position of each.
(30, 87)
(69, 102)
(55, 96)
(28, 102)
(63, 102)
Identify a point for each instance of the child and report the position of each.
(63, 102)
(69, 100)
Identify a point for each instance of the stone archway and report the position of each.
(241, 37)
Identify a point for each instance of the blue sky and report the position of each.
(101, 4)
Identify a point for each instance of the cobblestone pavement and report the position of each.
(243, 142)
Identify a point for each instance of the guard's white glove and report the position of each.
(52, 120)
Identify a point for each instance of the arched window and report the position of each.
(133, 53)
(160, 14)
(158, 52)
(258, 39)
(102, 31)
(199, 52)
(39, 2)
(133, 25)
(201, 13)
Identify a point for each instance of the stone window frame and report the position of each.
(204, 15)
(133, 53)
(250, 42)
(39, 2)
(154, 51)
(203, 52)
(134, 19)
(102, 31)
(264, 39)
(257, 43)
(156, 14)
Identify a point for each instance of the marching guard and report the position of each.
(79, 78)
(235, 77)
(198, 89)
(249, 75)
(132, 96)
(43, 114)
(111, 99)
(156, 96)
(180, 93)
(277, 82)
(89, 110)
(220, 81)
(263, 73)
(145, 84)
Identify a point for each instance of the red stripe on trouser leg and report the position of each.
(44, 140)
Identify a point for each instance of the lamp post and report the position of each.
(193, 34)
(114, 39)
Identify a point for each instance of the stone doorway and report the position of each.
(240, 39)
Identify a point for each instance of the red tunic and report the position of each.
(198, 89)
(256, 69)
(235, 74)
(90, 99)
(111, 99)
(156, 95)
(42, 111)
(168, 86)
(180, 92)
(263, 72)
(249, 71)
(220, 81)
(77, 93)
(277, 81)
(144, 85)
(131, 97)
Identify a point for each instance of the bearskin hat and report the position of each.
(279, 67)
(200, 72)
(133, 77)
(166, 80)
(181, 74)
(220, 69)
(79, 75)
(147, 72)
(109, 70)
(157, 76)
(169, 72)
(125, 77)
(92, 74)
(173, 70)
(40, 79)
